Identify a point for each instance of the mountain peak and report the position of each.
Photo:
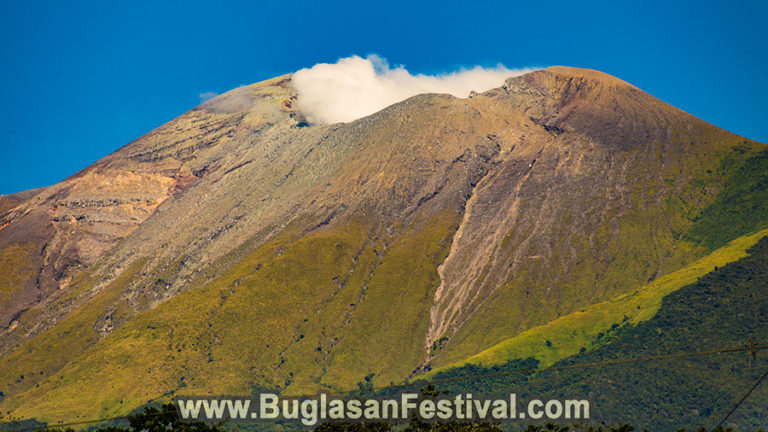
(246, 97)
(561, 82)
(586, 74)
(469, 220)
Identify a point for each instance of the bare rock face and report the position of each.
(411, 238)
(63, 230)
(587, 149)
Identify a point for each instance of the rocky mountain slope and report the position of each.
(237, 247)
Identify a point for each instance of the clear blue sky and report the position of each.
(79, 79)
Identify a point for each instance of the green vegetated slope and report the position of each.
(51, 350)
(741, 207)
(739, 210)
(290, 316)
(719, 301)
(570, 334)
(724, 309)
(20, 258)
(609, 254)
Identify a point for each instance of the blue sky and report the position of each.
(80, 79)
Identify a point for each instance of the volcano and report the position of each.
(238, 248)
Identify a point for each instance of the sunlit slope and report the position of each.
(301, 258)
(740, 209)
(599, 210)
(578, 331)
(722, 310)
(256, 327)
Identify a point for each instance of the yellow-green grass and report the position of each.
(17, 266)
(41, 357)
(296, 315)
(567, 335)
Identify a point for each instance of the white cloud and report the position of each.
(205, 97)
(355, 87)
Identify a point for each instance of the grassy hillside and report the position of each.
(298, 313)
(741, 207)
(672, 219)
(722, 233)
(717, 301)
(724, 309)
(582, 330)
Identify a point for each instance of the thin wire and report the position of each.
(742, 400)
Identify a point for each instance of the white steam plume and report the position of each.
(206, 96)
(355, 87)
